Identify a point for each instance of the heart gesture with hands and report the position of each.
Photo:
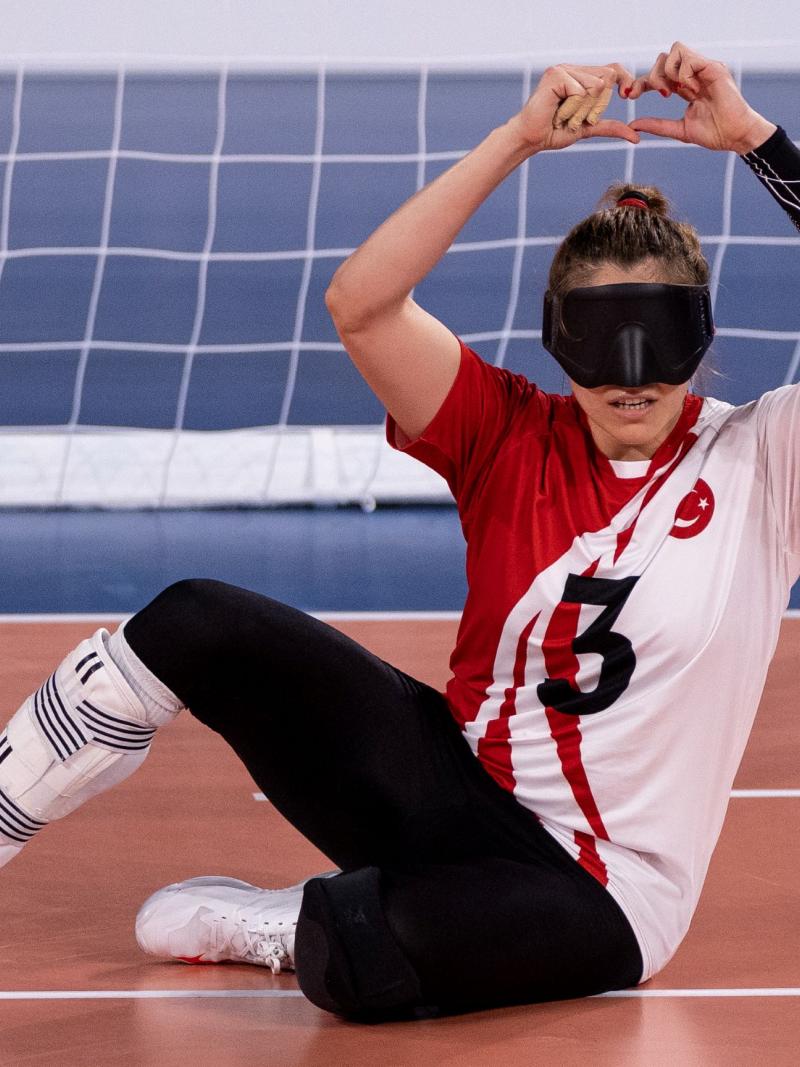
(569, 101)
(717, 117)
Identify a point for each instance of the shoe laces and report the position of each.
(259, 942)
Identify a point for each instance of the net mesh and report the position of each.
(166, 240)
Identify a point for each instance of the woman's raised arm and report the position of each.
(408, 357)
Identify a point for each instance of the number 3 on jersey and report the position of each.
(562, 645)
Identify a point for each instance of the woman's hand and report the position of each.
(586, 88)
(717, 116)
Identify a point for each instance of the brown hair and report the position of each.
(626, 237)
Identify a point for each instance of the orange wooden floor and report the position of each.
(69, 900)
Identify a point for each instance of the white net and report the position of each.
(166, 239)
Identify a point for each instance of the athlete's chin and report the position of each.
(644, 433)
(636, 427)
(641, 428)
(628, 423)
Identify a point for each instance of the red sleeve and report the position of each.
(473, 422)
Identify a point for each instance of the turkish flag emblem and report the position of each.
(694, 511)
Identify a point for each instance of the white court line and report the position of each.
(140, 994)
(342, 616)
(90, 619)
(185, 994)
(389, 616)
(760, 793)
(736, 794)
(780, 991)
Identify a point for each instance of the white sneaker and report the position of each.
(214, 919)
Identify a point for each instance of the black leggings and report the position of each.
(452, 895)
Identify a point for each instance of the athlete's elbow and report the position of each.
(348, 310)
(336, 300)
(351, 308)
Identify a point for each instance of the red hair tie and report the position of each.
(631, 201)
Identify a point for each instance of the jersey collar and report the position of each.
(667, 450)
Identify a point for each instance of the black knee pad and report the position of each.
(346, 958)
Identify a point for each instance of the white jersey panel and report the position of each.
(649, 775)
(778, 420)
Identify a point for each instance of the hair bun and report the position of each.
(634, 198)
(624, 194)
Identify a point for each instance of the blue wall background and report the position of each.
(56, 180)
(159, 216)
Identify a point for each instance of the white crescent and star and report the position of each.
(694, 512)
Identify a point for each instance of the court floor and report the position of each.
(77, 991)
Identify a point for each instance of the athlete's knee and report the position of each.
(347, 959)
(182, 606)
(183, 628)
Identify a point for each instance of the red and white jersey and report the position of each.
(617, 630)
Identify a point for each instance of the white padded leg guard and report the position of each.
(84, 731)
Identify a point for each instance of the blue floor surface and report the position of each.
(409, 559)
(317, 560)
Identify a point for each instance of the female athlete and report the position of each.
(542, 830)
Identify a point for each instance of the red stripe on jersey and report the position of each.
(566, 732)
(494, 748)
(623, 539)
(589, 858)
(559, 659)
(561, 662)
